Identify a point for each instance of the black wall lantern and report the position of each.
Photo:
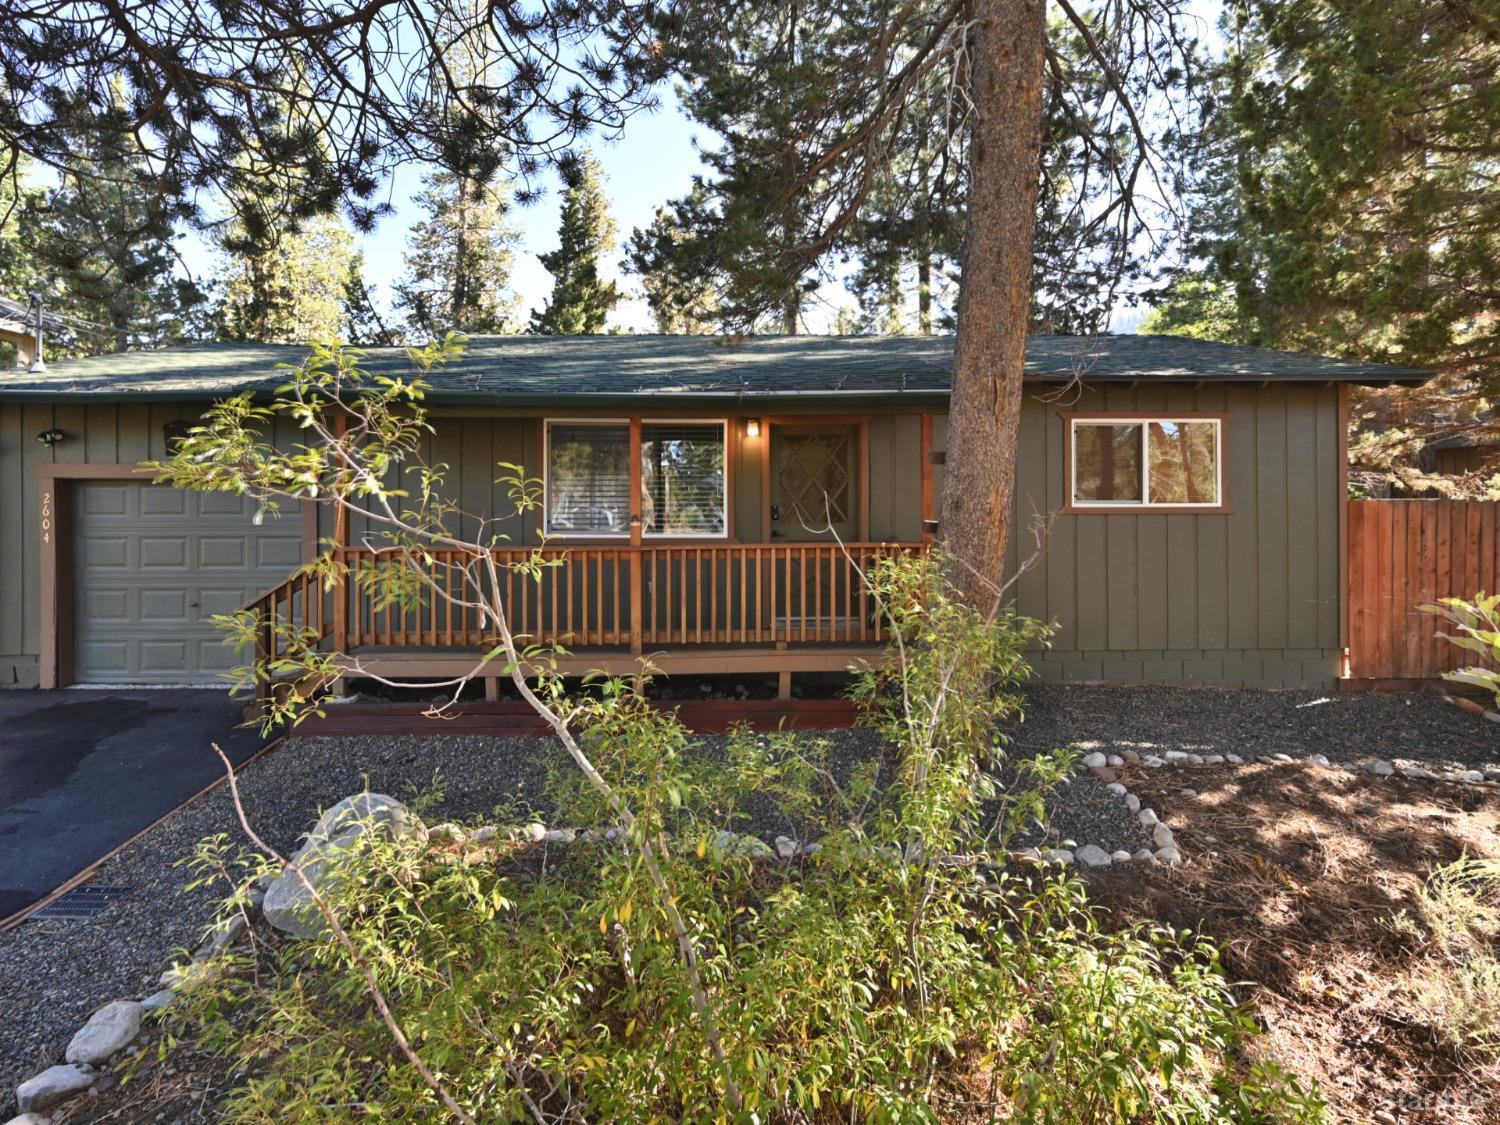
(51, 437)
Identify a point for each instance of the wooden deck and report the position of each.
(515, 719)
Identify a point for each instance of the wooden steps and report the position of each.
(516, 719)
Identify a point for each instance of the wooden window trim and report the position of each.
(1105, 417)
(637, 533)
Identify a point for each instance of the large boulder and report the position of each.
(108, 1031)
(53, 1085)
(288, 905)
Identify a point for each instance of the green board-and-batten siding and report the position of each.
(1246, 597)
(1250, 596)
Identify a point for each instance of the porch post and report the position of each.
(340, 540)
(636, 570)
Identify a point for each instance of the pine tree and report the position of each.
(669, 258)
(293, 290)
(580, 301)
(364, 325)
(105, 242)
(19, 202)
(458, 259)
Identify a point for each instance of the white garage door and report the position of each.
(151, 565)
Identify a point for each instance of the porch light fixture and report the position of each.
(51, 437)
(752, 427)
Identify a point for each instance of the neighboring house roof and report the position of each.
(521, 369)
(16, 317)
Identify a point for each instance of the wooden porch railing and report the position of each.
(640, 597)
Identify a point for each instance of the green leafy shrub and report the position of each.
(885, 977)
(1476, 627)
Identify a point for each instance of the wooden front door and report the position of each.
(814, 482)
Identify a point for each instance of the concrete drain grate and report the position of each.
(81, 904)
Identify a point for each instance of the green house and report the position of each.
(708, 499)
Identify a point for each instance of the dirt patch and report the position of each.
(1297, 872)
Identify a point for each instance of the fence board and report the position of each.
(1406, 552)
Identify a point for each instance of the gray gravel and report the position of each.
(53, 974)
(1346, 726)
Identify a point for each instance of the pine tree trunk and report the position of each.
(461, 260)
(924, 291)
(994, 293)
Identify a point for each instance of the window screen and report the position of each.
(588, 478)
(682, 478)
(1184, 462)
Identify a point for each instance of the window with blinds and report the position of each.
(682, 478)
(683, 481)
(588, 478)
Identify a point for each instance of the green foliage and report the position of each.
(458, 259)
(291, 288)
(1344, 203)
(876, 979)
(1477, 630)
(581, 301)
(105, 240)
(670, 258)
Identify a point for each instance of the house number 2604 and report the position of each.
(46, 517)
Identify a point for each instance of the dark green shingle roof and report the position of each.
(521, 369)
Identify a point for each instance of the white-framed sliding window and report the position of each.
(1145, 462)
(586, 478)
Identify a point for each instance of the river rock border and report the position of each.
(1165, 849)
(112, 1030)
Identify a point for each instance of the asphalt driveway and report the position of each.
(83, 771)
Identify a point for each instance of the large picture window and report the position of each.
(683, 481)
(1144, 462)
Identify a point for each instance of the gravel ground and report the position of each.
(52, 974)
(1346, 726)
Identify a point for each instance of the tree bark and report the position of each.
(1007, 48)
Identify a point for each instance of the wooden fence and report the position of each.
(1403, 553)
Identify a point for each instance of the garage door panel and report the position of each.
(163, 656)
(106, 605)
(100, 552)
(281, 553)
(152, 566)
(104, 658)
(165, 606)
(224, 602)
(222, 504)
(217, 657)
(232, 551)
(106, 499)
(164, 502)
(158, 552)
